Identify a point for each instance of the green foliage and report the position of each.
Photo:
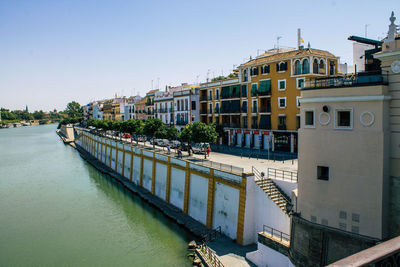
(218, 78)
(68, 121)
(161, 133)
(219, 129)
(151, 126)
(172, 133)
(73, 110)
(199, 132)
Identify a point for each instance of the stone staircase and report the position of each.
(272, 190)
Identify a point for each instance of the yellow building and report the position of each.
(150, 103)
(260, 108)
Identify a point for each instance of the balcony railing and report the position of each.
(217, 97)
(359, 79)
(254, 110)
(264, 109)
(203, 98)
(282, 127)
(216, 110)
(209, 97)
(179, 122)
(275, 234)
(254, 126)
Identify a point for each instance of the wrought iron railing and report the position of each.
(274, 233)
(210, 255)
(282, 175)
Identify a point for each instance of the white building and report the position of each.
(164, 106)
(129, 107)
(186, 106)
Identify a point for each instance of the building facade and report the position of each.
(186, 105)
(164, 107)
(349, 160)
(140, 109)
(150, 103)
(260, 109)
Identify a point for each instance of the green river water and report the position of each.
(57, 210)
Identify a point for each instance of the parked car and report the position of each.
(126, 135)
(155, 141)
(174, 143)
(200, 148)
(163, 142)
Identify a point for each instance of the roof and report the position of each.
(267, 57)
(141, 101)
(152, 91)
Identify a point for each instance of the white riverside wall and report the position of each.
(177, 188)
(213, 197)
(197, 199)
(161, 180)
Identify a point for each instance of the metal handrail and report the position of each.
(211, 255)
(212, 235)
(273, 173)
(276, 233)
(270, 186)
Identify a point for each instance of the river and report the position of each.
(56, 209)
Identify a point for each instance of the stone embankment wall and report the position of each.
(210, 196)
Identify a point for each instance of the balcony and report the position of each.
(254, 110)
(282, 127)
(203, 98)
(244, 109)
(209, 97)
(235, 125)
(265, 109)
(181, 122)
(254, 125)
(217, 97)
(359, 79)
(216, 110)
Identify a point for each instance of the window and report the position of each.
(282, 121)
(254, 71)
(254, 107)
(193, 105)
(300, 83)
(309, 119)
(281, 85)
(332, 68)
(297, 101)
(315, 66)
(210, 95)
(210, 108)
(254, 89)
(282, 102)
(323, 173)
(305, 67)
(245, 75)
(244, 90)
(321, 69)
(282, 66)
(265, 69)
(343, 119)
(217, 94)
(297, 67)
(244, 107)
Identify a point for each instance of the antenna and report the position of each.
(366, 27)
(277, 42)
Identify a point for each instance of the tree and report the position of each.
(219, 129)
(172, 133)
(151, 126)
(74, 110)
(199, 132)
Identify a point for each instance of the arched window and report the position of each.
(305, 67)
(332, 68)
(322, 67)
(254, 71)
(245, 75)
(297, 67)
(315, 66)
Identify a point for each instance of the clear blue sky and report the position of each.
(53, 52)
